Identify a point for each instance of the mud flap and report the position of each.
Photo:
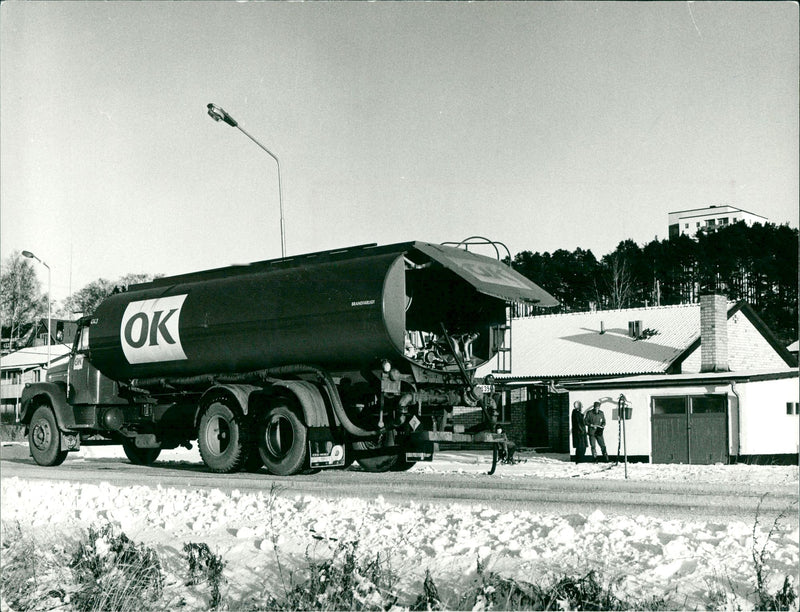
(70, 441)
(323, 450)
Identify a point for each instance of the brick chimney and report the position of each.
(714, 333)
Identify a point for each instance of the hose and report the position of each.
(333, 394)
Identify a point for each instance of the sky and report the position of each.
(541, 125)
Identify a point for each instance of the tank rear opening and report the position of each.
(437, 300)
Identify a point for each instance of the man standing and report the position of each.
(596, 423)
(578, 432)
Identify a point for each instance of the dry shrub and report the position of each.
(114, 573)
(32, 575)
(343, 582)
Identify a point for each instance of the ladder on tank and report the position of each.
(501, 333)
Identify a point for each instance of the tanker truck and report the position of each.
(293, 364)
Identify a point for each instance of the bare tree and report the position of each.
(21, 299)
(618, 282)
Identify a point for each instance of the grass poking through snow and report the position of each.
(105, 570)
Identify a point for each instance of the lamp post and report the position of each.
(30, 255)
(219, 114)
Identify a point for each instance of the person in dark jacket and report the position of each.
(595, 423)
(578, 432)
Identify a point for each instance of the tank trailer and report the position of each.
(295, 364)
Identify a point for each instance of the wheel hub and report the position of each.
(218, 436)
(42, 435)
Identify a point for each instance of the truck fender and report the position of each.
(51, 393)
(310, 400)
(240, 393)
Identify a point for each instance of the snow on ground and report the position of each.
(682, 560)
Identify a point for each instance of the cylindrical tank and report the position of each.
(341, 310)
(336, 314)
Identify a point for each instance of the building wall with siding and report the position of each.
(747, 349)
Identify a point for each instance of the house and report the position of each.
(35, 334)
(689, 222)
(26, 365)
(704, 417)
(553, 355)
(24, 356)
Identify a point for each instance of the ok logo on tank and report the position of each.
(150, 330)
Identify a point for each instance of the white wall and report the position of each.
(637, 428)
(761, 418)
(766, 428)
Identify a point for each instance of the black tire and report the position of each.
(224, 437)
(44, 438)
(402, 465)
(140, 456)
(283, 441)
(370, 459)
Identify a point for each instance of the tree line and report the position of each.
(758, 264)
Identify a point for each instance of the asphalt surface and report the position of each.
(664, 499)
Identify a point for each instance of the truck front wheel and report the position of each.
(283, 441)
(140, 456)
(44, 438)
(224, 438)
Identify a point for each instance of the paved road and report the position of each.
(668, 500)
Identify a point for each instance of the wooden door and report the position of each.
(708, 430)
(670, 430)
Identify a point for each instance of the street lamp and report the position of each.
(30, 255)
(218, 114)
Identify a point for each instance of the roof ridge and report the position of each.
(614, 310)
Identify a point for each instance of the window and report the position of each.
(686, 225)
(83, 339)
(792, 407)
(698, 224)
(723, 221)
(503, 408)
(669, 405)
(11, 377)
(711, 222)
(696, 404)
(510, 400)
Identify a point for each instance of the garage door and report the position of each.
(670, 430)
(690, 429)
(708, 429)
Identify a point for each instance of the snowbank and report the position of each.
(683, 560)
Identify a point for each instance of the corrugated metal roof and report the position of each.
(572, 345)
(655, 380)
(32, 357)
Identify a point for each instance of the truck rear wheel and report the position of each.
(44, 438)
(224, 438)
(140, 456)
(371, 459)
(402, 465)
(283, 441)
